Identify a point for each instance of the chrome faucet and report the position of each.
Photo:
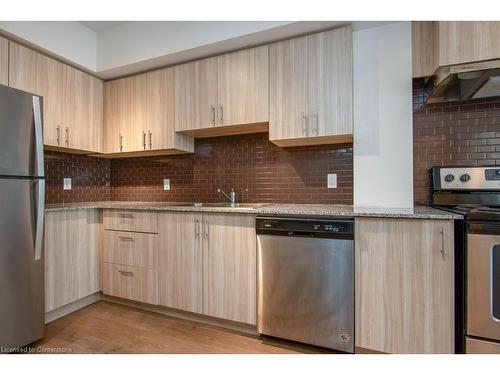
(231, 197)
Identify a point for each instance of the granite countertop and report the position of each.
(334, 210)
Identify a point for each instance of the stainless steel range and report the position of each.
(475, 193)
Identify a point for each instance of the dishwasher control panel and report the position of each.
(302, 227)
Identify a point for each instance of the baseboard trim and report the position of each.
(52, 315)
(243, 328)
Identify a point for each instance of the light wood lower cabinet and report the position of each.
(134, 283)
(130, 220)
(4, 61)
(404, 285)
(180, 259)
(207, 264)
(130, 248)
(72, 243)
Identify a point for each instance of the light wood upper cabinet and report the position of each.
(196, 94)
(311, 89)
(33, 72)
(230, 267)
(223, 95)
(72, 99)
(404, 285)
(180, 259)
(71, 256)
(288, 86)
(139, 115)
(4, 61)
(81, 110)
(116, 113)
(467, 41)
(425, 48)
(243, 88)
(330, 83)
(439, 44)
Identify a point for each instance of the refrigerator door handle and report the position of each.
(40, 216)
(37, 116)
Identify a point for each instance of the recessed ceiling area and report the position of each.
(98, 26)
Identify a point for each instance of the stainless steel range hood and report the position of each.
(467, 81)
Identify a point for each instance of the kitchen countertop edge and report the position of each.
(418, 212)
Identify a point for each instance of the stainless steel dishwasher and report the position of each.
(306, 280)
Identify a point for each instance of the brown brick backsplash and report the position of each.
(255, 168)
(450, 134)
(90, 178)
(258, 171)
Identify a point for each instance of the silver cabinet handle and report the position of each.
(205, 229)
(127, 239)
(126, 273)
(441, 231)
(221, 114)
(121, 142)
(306, 123)
(212, 109)
(126, 216)
(143, 139)
(197, 228)
(150, 140)
(67, 136)
(315, 115)
(58, 139)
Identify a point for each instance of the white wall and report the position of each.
(383, 137)
(67, 39)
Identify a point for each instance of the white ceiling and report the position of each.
(98, 26)
(111, 49)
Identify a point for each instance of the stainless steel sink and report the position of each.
(223, 204)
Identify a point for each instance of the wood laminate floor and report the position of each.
(106, 327)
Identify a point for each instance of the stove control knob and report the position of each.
(465, 177)
(449, 177)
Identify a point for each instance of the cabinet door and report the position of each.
(4, 61)
(288, 93)
(160, 131)
(404, 285)
(136, 128)
(71, 256)
(467, 41)
(81, 110)
(243, 87)
(330, 83)
(425, 48)
(180, 260)
(41, 75)
(117, 114)
(229, 267)
(195, 94)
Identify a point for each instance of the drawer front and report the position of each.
(130, 248)
(133, 283)
(132, 221)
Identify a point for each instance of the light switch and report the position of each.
(332, 180)
(67, 184)
(166, 184)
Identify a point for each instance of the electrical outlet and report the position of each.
(67, 184)
(166, 184)
(332, 180)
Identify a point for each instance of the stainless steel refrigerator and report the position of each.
(22, 195)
